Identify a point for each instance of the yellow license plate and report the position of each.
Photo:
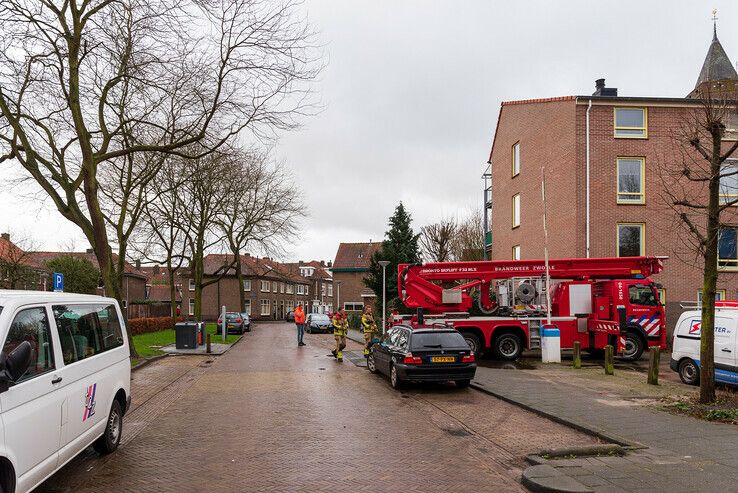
(442, 359)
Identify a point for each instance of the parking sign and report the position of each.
(58, 281)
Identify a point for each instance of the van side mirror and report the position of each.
(15, 364)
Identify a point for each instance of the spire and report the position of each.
(717, 66)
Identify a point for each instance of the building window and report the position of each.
(274, 286)
(247, 284)
(265, 308)
(191, 308)
(728, 248)
(352, 306)
(307, 289)
(729, 182)
(719, 295)
(290, 305)
(516, 252)
(631, 123)
(322, 289)
(247, 307)
(630, 241)
(516, 159)
(516, 210)
(281, 287)
(300, 290)
(264, 286)
(192, 285)
(290, 289)
(631, 180)
(330, 290)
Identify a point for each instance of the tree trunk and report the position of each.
(241, 294)
(172, 292)
(709, 281)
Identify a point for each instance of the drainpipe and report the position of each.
(586, 224)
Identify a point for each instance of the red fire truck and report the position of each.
(596, 301)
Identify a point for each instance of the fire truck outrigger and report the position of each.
(596, 301)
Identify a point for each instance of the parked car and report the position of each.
(290, 317)
(423, 354)
(234, 323)
(246, 321)
(318, 322)
(62, 355)
(685, 355)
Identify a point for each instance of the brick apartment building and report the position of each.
(621, 143)
(349, 268)
(321, 284)
(272, 289)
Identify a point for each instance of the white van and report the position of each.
(685, 356)
(65, 382)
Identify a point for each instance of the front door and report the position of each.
(725, 350)
(32, 408)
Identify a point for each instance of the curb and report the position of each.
(148, 361)
(546, 479)
(558, 419)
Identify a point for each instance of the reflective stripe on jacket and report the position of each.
(367, 321)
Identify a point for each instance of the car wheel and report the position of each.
(634, 347)
(508, 347)
(110, 440)
(371, 364)
(474, 343)
(394, 379)
(307, 329)
(462, 384)
(688, 372)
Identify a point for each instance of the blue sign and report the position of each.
(58, 281)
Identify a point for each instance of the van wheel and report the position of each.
(474, 344)
(110, 440)
(688, 372)
(508, 347)
(634, 347)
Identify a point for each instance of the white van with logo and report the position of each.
(685, 356)
(65, 382)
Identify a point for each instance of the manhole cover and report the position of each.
(321, 368)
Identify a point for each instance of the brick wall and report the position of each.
(352, 286)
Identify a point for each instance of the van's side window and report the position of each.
(87, 330)
(32, 325)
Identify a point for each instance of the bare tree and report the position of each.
(261, 209)
(468, 244)
(437, 240)
(701, 187)
(17, 268)
(89, 85)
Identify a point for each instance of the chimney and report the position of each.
(6, 236)
(247, 255)
(330, 263)
(322, 263)
(601, 90)
(138, 263)
(90, 250)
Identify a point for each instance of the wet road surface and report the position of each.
(271, 417)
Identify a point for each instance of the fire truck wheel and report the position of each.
(474, 344)
(688, 372)
(508, 347)
(634, 347)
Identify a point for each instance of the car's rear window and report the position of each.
(232, 316)
(427, 340)
(319, 317)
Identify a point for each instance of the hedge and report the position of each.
(153, 324)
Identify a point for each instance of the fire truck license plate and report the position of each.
(442, 359)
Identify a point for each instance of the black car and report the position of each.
(290, 317)
(424, 354)
(318, 322)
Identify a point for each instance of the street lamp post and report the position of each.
(384, 264)
(338, 296)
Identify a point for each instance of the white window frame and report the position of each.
(516, 210)
(265, 303)
(191, 285)
(307, 290)
(516, 159)
(265, 285)
(516, 252)
(247, 307)
(330, 289)
(274, 286)
(191, 307)
(290, 289)
(300, 289)
(281, 287)
(247, 284)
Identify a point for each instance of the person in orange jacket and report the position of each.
(300, 322)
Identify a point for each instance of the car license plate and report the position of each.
(442, 359)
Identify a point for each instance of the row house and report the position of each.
(349, 268)
(604, 157)
(271, 289)
(321, 284)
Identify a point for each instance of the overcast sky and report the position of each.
(412, 91)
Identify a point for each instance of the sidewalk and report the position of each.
(666, 452)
